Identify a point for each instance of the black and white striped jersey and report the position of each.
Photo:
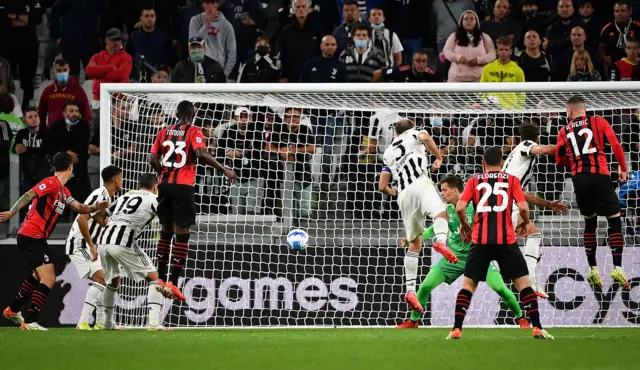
(75, 238)
(406, 159)
(520, 162)
(132, 213)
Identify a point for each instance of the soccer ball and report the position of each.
(298, 239)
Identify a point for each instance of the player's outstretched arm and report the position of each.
(203, 155)
(427, 140)
(543, 150)
(556, 205)
(383, 183)
(25, 199)
(81, 208)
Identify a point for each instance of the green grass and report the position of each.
(325, 349)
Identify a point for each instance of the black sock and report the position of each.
(179, 257)
(616, 239)
(590, 241)
(38, 300)
(530, 302)
(463, 301)
(163, 251)
(27, 288)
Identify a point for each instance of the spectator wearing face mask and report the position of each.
(344, 32)
(361, 60)
(62, 89)
(262, 67)
(385, 40)
(198, 68)
(71, 134)
(592, 24)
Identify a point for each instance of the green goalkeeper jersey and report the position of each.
(456, 243)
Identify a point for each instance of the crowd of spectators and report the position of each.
(289, 41)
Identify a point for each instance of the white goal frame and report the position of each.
(363, 92)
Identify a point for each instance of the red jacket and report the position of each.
(102, 68)
(55, 95)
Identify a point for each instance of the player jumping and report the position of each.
(405, 160)
(581, 143)
(173, 157)
(446, 272)
(48, 199)
(119, 249)
(520, 163)
(493, 194)
(84, 233)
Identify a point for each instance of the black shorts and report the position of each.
(510, 260)
(36, 251)
(595, 194)
(176, 204)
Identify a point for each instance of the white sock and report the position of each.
(532, 254)
(154, 301)
(441, 228)
(411, 269)
(91, 301)
(100, 310)
(109, 298)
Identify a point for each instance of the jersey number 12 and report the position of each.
(588, 134)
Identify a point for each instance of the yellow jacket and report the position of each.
(510, 72)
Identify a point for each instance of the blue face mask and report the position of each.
(360, 44)
(70, 122)
(529, 13)
(63, 77)
(377, 26)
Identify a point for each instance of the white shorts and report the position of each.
(418, 200)
(122, 261)
(81, 258)
(515, 212)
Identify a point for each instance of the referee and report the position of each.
(418, 71)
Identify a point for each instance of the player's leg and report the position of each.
(478, 261)
(513, 265)
(413, 223)
(184, 209)
(533, 239)
(112, 280)
(609, 206)
(433, 206)
(435, 277)
(47, 275)
(91, 299)
(495, 281)
(584, 191)
(165, 215)
(154, 302)
(12, 312)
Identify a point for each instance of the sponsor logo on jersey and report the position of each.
(199, 140)
(42, 187)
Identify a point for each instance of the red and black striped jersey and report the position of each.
(176, 146)
(582, 141)
(50, 202)
(493, 194)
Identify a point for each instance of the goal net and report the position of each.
(240, 271)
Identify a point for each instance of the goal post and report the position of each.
(240, 272)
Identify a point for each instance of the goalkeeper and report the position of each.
(445, 272)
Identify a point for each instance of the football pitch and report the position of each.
(67, 349)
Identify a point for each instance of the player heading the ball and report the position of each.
(405, 161)
(493, 194)
(49, 198)
(580, 144)
(173, 156)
